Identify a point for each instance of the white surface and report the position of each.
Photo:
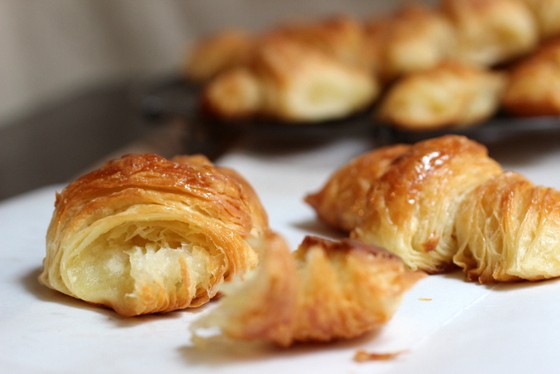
(465, 328)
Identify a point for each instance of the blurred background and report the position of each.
(72, 72)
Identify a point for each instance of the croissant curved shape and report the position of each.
(410, 208)
(143, 234)
(324, 291)
(509, 231)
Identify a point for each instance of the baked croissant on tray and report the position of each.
(442, 203)
(143, 234)
(324, 291)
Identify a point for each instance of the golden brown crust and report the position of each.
(491, 31)
(341, 202)
(451, 94)
(322, 292)
(533, 87)
(508, 230)
(411, 207)
(143, 234)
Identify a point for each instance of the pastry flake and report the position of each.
(325, 291)
(143, 234)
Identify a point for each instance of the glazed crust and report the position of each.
(325, 291)
(533, 87)
(508, 230)
(341, 202)
(451, 94)
(143, 234)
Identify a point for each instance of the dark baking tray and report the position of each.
(175, 98)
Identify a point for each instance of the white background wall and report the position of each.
(52, 48)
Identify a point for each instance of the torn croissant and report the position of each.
(325, 291)
(508, 230)
(143, 234)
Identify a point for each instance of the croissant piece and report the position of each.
(533, 88)
(218, 53)
(143, 234)
(491, 31)
(508, 230)
(341, 202)
(326, 290)
(288, 81)
(449, 94)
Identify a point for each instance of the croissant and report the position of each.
(508, 230)
(143, 234)
(533, 88)
(449, 94)
(410, 207)
(288, 81)
(324, 291)
(490, 32)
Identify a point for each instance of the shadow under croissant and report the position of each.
(222, 351)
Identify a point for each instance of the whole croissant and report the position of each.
(144, 234)
(444, 202)
(324, 291)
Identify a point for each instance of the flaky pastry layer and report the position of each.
(143, 234)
